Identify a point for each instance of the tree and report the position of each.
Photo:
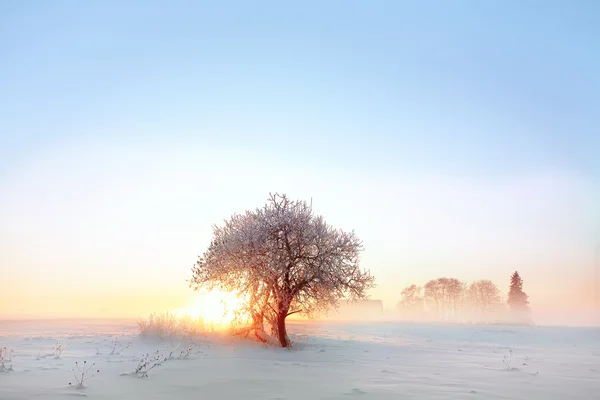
(434, 297)
(444, 296)
(484, 298)
(411, 301)
(287, 258)
(454, 291)
(518, 301)
(517, 298)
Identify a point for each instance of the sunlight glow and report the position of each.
(215, 308)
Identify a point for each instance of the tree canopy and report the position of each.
(285, 260)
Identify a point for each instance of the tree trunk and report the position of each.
(281, 330)
(258, 327)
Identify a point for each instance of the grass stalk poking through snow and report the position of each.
(507, 361)
(116, 348)
(6, 359)
(58, 350)
(185, 353)
(148, 363)
(83, 373)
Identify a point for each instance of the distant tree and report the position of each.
(433, 293)
(484, 298)
(411, 301)
(444, 296)
(517, 298)
(518, 301)
(289, 260)
(455, 290)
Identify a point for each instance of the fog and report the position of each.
(375, 310)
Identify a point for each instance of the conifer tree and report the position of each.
(518, 301)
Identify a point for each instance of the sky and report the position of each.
(457, 138)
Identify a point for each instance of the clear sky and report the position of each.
(458, 138)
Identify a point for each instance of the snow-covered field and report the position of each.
(329, 361)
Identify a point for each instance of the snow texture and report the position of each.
(328, 361)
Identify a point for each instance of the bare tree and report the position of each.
(412, 301)
(288, 259)
(444, 296)
(434, 297)
(454, 290)
(484, 298)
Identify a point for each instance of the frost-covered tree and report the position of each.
(518, 301)
(286, 260)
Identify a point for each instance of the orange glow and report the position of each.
(216, 308)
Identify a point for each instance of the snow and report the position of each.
(329, 361)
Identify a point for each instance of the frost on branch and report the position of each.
(286, 260)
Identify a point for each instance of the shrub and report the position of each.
(191, 327)
(168, 326)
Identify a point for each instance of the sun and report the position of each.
(216, 308)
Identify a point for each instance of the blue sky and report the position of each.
(184, 112)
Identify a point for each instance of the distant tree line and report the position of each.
(449, 299)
